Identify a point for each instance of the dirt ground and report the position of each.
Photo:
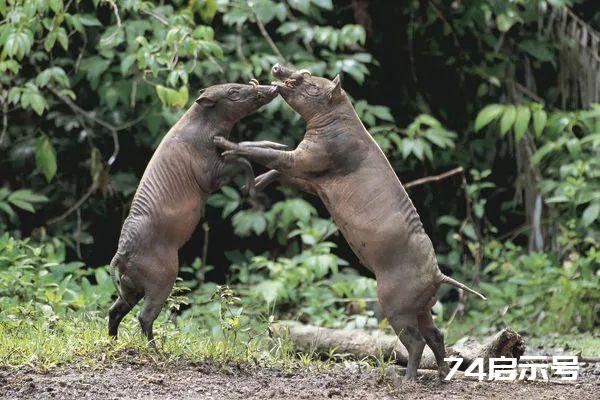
(210, 382)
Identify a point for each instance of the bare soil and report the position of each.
(205, 381)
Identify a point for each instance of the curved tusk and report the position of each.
(305, 71)
(253, 82)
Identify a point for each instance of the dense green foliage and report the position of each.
(88, 89)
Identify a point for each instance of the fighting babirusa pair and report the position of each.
(337, 160)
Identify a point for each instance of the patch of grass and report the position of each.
(584, 344)
(81, 339)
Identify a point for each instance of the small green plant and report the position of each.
(538, 289)
(36, 280)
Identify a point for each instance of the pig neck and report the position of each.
(200, 124)
(337, 120)
(343, 120)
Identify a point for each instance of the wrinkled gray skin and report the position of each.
(340, 162)
(168, 204)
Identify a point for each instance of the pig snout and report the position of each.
(266, 93)
(281, 72)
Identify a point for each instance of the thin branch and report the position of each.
(78, 234)
(478, 234)
(265, 34)
(116, 11)
(528, 93)
(75, 206)
(156, 16)
(116, 147)
(115, 8)
(206, 229)
(434, 178)
(87, 114)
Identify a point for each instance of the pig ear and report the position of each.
(337, 89)
(206, 100)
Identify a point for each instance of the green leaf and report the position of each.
(382, 113)
(36, 101)
(94, 67)
(508, 119)
(245, 222)
(522, 122)
(56, 6)
(469, 231)
(487, 115)
(301, 5)
(208, 10)
(539, 122)
(448, 220)
(45, 157)
(89, 20)
(7, 210)
(230, 207)
(542, 152)
(28, 196)
(23, 199)
(590, 214)
(504, 22)
(127, 63)
(23, 205)
(269, 289)
(326, 4)
(171, 97)
(62, 37)
(230, 193)
(539, 50)
(50, 40)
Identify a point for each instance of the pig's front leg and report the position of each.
(300, 163)
(264, 180)
(232, 166)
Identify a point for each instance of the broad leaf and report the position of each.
(508, 119)
(45, 157)
(522, 122)
(487, 115)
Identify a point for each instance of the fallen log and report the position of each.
(362, 344)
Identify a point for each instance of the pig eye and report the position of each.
(313, 90)
(233, 94)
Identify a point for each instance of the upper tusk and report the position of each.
(305, 71)
(253, 82)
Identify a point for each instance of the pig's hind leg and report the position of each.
(406, 327)
(120, 309)
(435, 340)
(160, 272)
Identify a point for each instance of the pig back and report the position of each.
(168, 202)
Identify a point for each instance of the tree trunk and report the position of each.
(361, 344)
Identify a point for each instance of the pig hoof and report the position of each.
(443, 372)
